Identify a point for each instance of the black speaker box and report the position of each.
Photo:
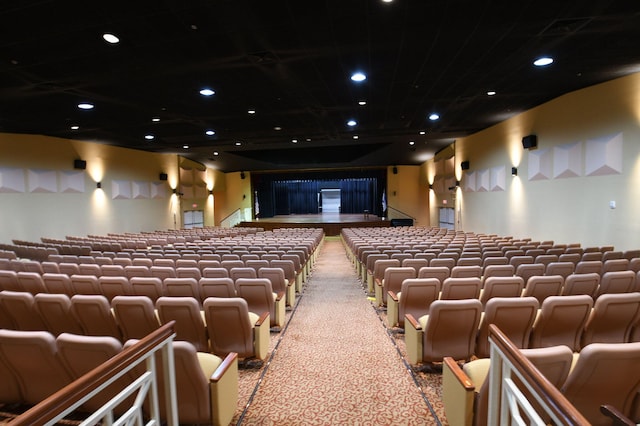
(530, 141)
(79, 164)
(242, 175)
(464, 165)
(163, 176)
(395, 170)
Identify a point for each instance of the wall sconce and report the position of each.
(211, 192)
(244, 196)
(99, 185)
(430, 186)
(175, 190)
(514, 171)
(457, 183)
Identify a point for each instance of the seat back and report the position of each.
(561, 321)
(147, 286)
(229, 326)
(9, 281)
(9, 385)
(451, 329)
(612, 319)
(31, 282)
(466, 271)
(416, 296)
(20, 306)
(137, 271)
(216, 287)
(496, 286)
(514, 316)
(242, 272)
(528, 270)
(33, 358)
(581, 284)
(563, 269)
(115, 286)
(416, 264)
(163, 272)
(498, 271)
(615, 265)
(135, 315)
(189, 326)
(543, 286)
(461, 288)
(188, 272)
(57, 283)
(439, 272)
(95, 317)
(276, 276)
(182, 287)
(215, 272)
(393, 278)
(112, 270)
(589, 266)
(57, 315)
(258, 294)
(81, 354)
(605, 373)
(616, 282)
(85, 284)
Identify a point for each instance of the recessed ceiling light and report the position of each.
(238, 143)
(85, 105)
(207, 92)
(252, 111)
(110, 38)
(491, 93)
(352, 123)
(216, 153)
(294, 140)
(308, 139)
(387, 1)
(543, 61)
(356, 136)
(185, 146)
(434, 117)
(412, 143)
(277, 128)
(422, 132)
(362, 103)
(149, 137)
(358, 77)
(210, 132)
(75, 127)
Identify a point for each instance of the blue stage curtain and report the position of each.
(358, 195)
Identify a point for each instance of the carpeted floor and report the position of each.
(335, 362)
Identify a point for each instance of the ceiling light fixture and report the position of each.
(412, 143)
(185, 146)
(356, 137)
(294, 140)
(75, 127)
(352, 123)
(491, 93)
(362, 103)
(277, 128)
(110, 38)
(543, 61)
(238, 143)
(216, 153)
(207, 92)
(252, 111)
(155, 119)
(422, 132)
(149, 137)
(434, 117)
(85, 105)
(210, 132)
(358, 77)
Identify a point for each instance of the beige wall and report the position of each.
(234, 194)
(408, 192)
(32, 215)
(568, 209)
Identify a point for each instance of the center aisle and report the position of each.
(335, 363)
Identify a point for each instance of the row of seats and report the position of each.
(221, 325)
(36, 364)
(459, 328)
(602, 373)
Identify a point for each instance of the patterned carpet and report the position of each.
(335, 362)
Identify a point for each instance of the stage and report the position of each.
(332, 223)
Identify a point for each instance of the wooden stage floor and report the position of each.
(332, 223)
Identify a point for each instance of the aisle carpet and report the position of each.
(335, 362)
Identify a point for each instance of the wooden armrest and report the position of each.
(392, 295)
(458, 373)
(378, 281)
(411, 320)
(280, 295)
(227, 363)
(619, 419)
(264, 317)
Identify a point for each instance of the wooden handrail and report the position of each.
(66, 397)
(551, 396)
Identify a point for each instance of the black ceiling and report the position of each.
(291, 61)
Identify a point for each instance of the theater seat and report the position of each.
(449, 330)
(612, 319)
(415, 298)
(189, 320)
(33, 358)
(561, 321)
(605, 373)
(232, 328)
(260, 297)
(135, 315)
(206, 385)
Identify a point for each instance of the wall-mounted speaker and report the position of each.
(395, 170)
(530, 141)
(163, 176)
(242, 175)
(79, 164)
(464, 165)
